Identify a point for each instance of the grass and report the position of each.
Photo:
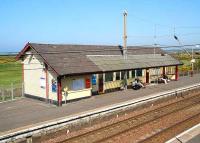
(10, 71)
(186, 61)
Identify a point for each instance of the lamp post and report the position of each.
(192, 62)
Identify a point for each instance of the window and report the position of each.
(117, 75)
(170, 70)
(122, 75)
(108, 76)
(78, 84)
(42, 82)
(133, 73)
(139, 72)
(128, 76)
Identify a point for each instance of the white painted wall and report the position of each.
(33, 71)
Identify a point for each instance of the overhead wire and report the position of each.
(170, 27)
(102, 50)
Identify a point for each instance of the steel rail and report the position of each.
(170, 127)
(85, 135)
(149, 121)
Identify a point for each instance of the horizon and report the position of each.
(97, 23)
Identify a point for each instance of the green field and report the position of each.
(10, 71)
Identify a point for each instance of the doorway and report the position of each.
(100, 83)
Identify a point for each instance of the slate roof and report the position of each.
(85, 59)
(114, 63)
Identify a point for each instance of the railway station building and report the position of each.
(62, 73)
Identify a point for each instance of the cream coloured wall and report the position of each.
(36, 71)
(71, 94)
(33, 71)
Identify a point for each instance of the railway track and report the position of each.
(163, 135)
(111, 131)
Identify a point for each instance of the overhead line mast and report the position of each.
(125, 46)
(125, 36)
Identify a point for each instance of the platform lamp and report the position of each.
(196, 46)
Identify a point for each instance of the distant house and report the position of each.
(59, 73)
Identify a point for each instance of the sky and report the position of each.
(97, 22)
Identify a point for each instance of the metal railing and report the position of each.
(12, 92)
(188, 73)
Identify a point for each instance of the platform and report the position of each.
(25, 112)
(191, 135)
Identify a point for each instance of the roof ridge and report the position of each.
(54, 44)
(93, 45)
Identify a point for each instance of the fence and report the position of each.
(12, 92)
(188, 73)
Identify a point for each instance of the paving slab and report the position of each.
(195, 139)
(191, 135)
(27, 112)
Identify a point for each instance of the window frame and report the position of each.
(78, 84)
(122, 75)
(117, 76)
(138, 73)
(109, 78)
